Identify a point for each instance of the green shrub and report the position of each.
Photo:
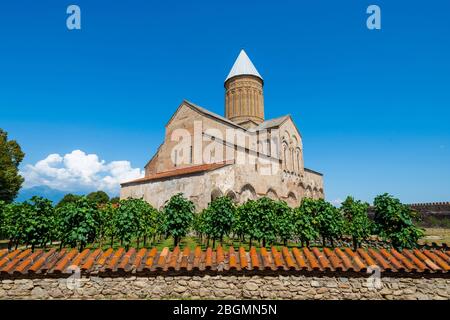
(285, 227)
(393, 221)
(78, 223)
(305, 226)
(263, 226)
(179, 214)
(40, 223)
(357, 222)
(217, 219)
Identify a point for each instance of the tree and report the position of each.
(319, 216)
(114, 200)
(126, 221)
(394, 221)
(306, 227)
(244, 220)
(11, 156)
(98, 197)
(39, 228)
(179, 214)
(264, 224)
(15, 216)
(78, 223)
(284, 221)
(329, 220)
(147, 219)
(135, 219)
(107, 214)
(161, 229)
(68, 198)
(218, 218)
(357, 222)
(2, 218)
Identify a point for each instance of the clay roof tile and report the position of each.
(299, 259)
(288, 259)
(313, 264)
(21, 262)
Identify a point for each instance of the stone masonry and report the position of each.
(226, 287)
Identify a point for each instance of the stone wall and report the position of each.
(226, 287)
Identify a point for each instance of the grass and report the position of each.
(438, 235)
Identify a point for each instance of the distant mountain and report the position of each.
(43, 191)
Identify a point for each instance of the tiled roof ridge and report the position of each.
(147, 261)
(181, 172)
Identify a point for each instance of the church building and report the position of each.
(241, 155)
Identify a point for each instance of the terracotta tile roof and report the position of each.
(95, 261)
(179, 172)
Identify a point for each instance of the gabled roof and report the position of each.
(313, 172)
(212, 114)
(206, 113)
(272, 123)
(243, 66)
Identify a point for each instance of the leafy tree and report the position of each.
(245, 219)
(2, 218)
(114, 200)
(78, 223)
(15, 216)
(198, 224)
(68, 198)
(394, 221)
(264, 225)
(218, 218)
(135, 218)
(107, 214)
(329, 220)
(125, 221)
(147, 220)
(11, 156)
(179, 214)
(306, 227)
(284, 221)
(98, 197)
(161, 229)
(358, 224)
(39, 228)
(319, 216)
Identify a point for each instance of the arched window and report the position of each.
(292, 199)
(292, 160)
(247, 193)
(298, 160)
(216, 193)
(271, 194)
(230, 194)
(284, 156)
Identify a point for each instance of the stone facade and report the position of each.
(244, 100)
(262, 158)
(226, 287)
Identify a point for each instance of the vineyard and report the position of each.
(84, 222)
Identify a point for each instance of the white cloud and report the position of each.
(78, 171)
(337, 202)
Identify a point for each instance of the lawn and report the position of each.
(438, 235)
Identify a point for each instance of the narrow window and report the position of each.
(176, 157)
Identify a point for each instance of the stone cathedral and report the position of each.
(242, 155)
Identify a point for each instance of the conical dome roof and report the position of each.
(243, 66)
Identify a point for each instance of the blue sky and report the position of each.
(373, 107)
